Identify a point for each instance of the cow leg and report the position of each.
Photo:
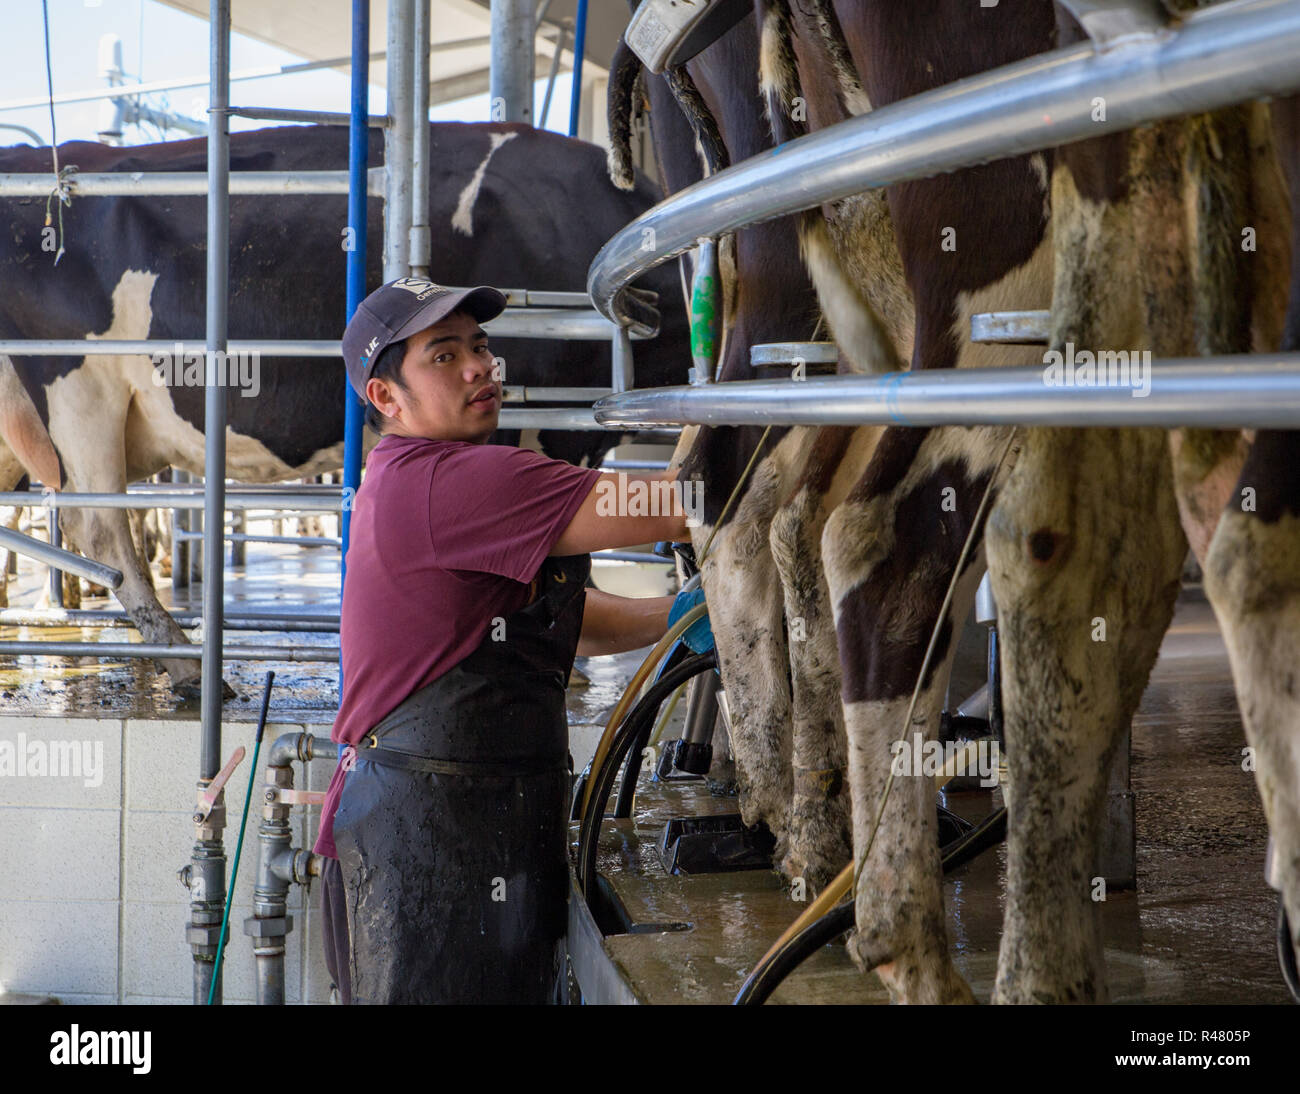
(890, 551)
(1252, 578)
(105, 534)
(1082, 605)
(820, 822)
(745, 611)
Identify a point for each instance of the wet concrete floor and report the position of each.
(1199, 929)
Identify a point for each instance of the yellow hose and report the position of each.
(633, 690)
(830, 896)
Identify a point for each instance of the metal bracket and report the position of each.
(282, 796)
(1109, 21)
(1012, 328)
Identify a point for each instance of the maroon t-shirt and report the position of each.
(445, 537)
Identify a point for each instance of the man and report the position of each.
(464, 606)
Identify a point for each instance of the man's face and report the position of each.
(450, 393)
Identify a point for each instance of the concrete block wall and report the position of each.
(91, 910)
(90, 906)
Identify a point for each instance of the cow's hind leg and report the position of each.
(105, 534)
(891, 549)
(1252, 578)
(1083, 601)
(745, 612)
(820, 837)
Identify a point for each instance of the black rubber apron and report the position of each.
(451, 829)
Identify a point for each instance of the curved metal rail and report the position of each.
(1219, 56)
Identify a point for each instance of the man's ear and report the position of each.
(380, 395)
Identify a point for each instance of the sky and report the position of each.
(173, 45)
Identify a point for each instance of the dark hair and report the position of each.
(388, 366)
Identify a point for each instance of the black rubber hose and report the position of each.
(632, 769)
(603, 781)
(764, 980)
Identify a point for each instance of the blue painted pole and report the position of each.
(358, 162)
(579, 43)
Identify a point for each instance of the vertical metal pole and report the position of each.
(550, 77)
(358, 159)
(180, 547)
(56, 540)
(208, 869)
(238, 524)
(511, 74)
(420, 242)
(620, 359)
(579, 43)
(397, 141)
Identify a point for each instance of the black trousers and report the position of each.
(334, 928)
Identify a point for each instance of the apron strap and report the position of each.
(369, 749)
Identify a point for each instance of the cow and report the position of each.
(786, 733)
(1142, 251)
(1178, 239)
(891, 539)
(501, 210)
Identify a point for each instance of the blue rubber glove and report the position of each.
(699, 635)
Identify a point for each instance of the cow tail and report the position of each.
(854, 323)
(622, 106)
(708, 137)
(783, 101)
(1219, 154)
(852, 95)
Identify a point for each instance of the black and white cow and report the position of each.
(509, 206)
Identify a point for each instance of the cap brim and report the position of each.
(482, 302)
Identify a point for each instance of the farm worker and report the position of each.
(445, 824)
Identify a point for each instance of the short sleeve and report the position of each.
(498, 509)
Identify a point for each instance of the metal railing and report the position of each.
(1219, 56)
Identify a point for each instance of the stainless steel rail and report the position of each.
(1241, 392)
(1220, 55)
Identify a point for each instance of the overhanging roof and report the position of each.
(318, 30)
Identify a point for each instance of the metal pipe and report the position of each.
(299, 746)
(158, 650)
(59, 558)
(1220, 55)
(420, 244)
(512, 394)
(311, 117)
(558, 323)
(1249, 391)
(550, 418)
(279, 863)
(105, 184)
(397, 141)
(297, 541)
(550, 78)
(108, 617)
(313, 503)
(579, 48)
(206, 906)
(630, 556)
(511, 65)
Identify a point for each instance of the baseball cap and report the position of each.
(402, 308)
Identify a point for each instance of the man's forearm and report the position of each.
(616, 624)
